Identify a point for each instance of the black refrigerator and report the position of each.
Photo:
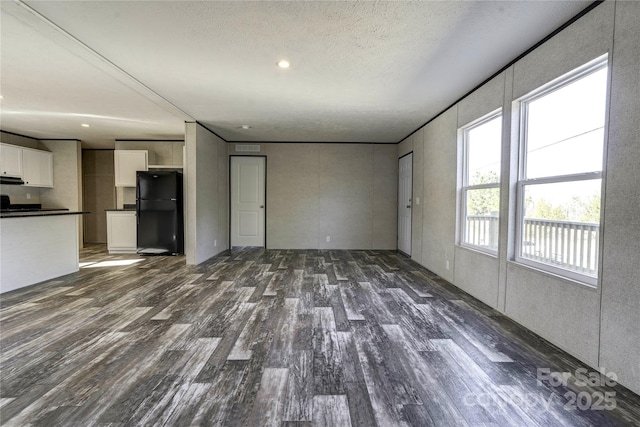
(160, 229)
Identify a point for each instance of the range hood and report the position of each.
(11, 180)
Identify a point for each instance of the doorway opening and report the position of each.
(405, 202)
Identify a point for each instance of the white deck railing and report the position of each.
(482, 230)
(566, 244)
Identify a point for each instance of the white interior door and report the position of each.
(247, 201)
(405, 190)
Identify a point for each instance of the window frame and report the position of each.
(522, 104)
(464, 179)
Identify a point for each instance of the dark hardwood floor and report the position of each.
(280, 338)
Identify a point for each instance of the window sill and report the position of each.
(569, 280)
(478, 250)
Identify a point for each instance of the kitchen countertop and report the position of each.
(57, 212)
(125, 207)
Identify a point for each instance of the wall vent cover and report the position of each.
(248, 148)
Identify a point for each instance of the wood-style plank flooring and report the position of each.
(278, 338)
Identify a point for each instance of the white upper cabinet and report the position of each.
(11, 160)
(127, 163)
(37, 168)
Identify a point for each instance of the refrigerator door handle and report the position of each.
(137, 211)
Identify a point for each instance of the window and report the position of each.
(480, 193)
(562, 133)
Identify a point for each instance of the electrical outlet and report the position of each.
(28, 195)
(447, 264)
(328, 238)
(215, 243)
(417, 200)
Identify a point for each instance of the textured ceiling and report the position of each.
(360, 71)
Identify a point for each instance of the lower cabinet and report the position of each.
(121, 232)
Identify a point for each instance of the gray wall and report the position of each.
(206, 173)
(598, 326)
(620, 322)
(439, 194)
(345, 191)
(566, 313)
(476, 272)
(67, 179)
(67, 175)
(415, 144)
(99, 193)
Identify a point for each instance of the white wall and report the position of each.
(599, 326)
(345, 191)
(206, 174)
(160, 153)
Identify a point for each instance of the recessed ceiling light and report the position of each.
(283, 63)
(84, 125)
(245, 127)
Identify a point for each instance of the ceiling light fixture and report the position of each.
(84, 125)
(283, 63)
(245, 127)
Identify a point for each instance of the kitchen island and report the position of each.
(37, 246)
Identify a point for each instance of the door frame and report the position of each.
(265, 195)
(412, 203)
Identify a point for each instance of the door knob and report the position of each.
(408, 206)
(261, 207)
